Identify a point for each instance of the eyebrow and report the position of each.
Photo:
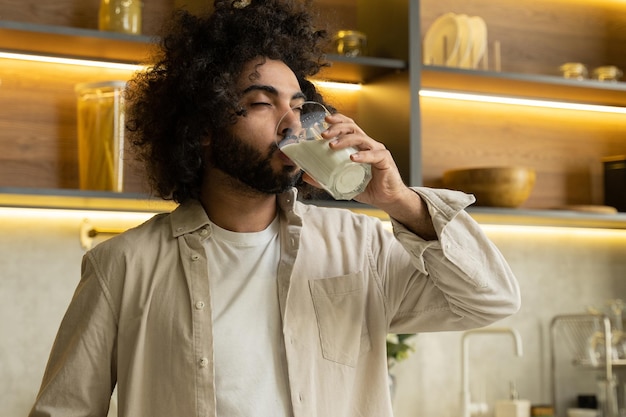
(271, 90)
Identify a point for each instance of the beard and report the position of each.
(249, 166)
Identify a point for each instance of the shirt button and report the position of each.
(180, 229)
(200, 305)
(203, 232)
(293, 242)
(204, 362)
(195, 257)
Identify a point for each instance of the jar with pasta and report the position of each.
(100, 118)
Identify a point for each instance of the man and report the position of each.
(244, 301)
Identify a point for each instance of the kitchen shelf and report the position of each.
(72, 42)
(360, 69)
(553, 218)
(81, 200)
(66, 199)
(514, 216)
(101, 200)
(99, 45)
(524, 85)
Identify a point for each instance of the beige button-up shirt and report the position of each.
(141, 315)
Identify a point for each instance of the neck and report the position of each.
(233, 206)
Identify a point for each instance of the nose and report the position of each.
(289, 122)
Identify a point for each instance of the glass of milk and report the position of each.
(299, 137)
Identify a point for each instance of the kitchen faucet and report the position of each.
(470, 408)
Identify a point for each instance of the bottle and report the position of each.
(123, 16)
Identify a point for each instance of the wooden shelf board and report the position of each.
(97, 200)
(517, 217)
(73, 42)
(81, 200)
(524, 85)
(551, 218)
(135, 49)
(360, 69)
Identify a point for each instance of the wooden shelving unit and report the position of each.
(532, 86)
(565, 147)
(395, 82)
(96, 200)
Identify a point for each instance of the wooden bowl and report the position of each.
(493, 186)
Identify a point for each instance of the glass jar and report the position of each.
(101, 135)
(607, 73)
(122, 16)
(574, 70)
(350, 43)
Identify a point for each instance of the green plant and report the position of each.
(398, 348)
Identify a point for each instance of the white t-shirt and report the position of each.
(250, 364)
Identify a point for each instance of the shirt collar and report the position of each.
(287, 200)
(190, 215)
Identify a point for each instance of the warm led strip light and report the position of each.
(521, 101)
(564, 232)
(71, 61)
(338, 86)
(35, 214)
(134, 67)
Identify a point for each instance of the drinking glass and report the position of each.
(299, 137)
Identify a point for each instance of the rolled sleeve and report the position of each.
(463, 263)
(443, 206)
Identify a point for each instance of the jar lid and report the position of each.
(350, 34)
(608, 71)
(100, 85)
(570, 66)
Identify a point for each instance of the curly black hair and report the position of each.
(190, 91)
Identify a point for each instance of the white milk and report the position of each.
(333, 169)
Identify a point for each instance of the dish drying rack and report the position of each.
(581, 333)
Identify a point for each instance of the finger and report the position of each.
(358, 141)
(339, 130)
(381, 159)
(344, 132)
(338, 118)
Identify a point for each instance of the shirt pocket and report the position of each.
(339, 304)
